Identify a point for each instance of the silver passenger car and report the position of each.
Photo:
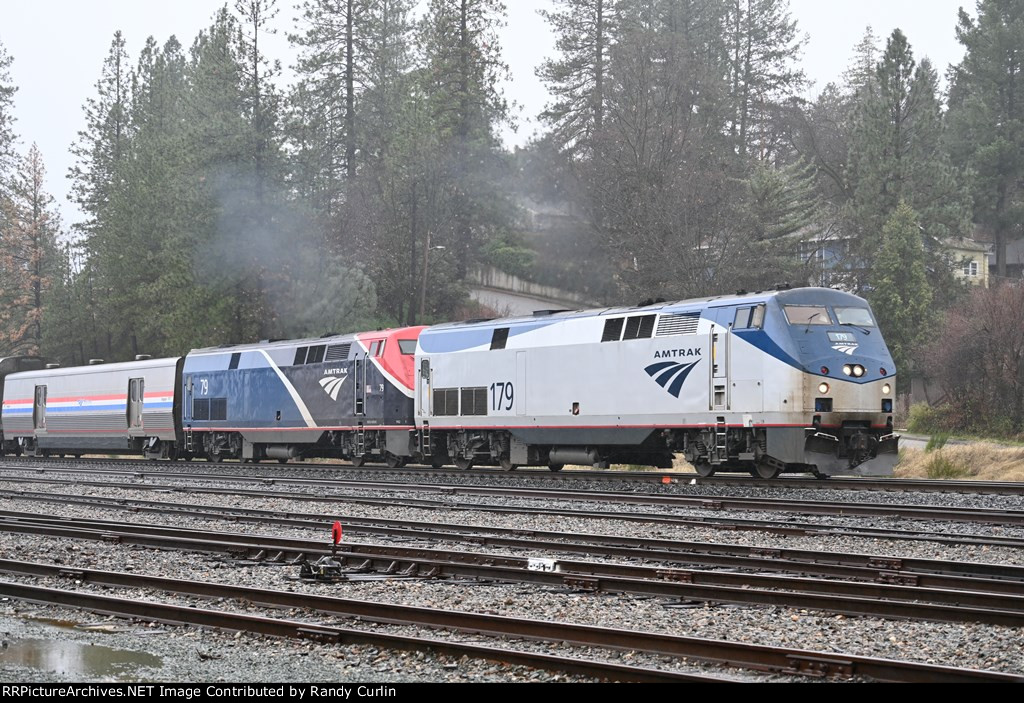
(129, 406)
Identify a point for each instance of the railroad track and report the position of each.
(789, 527)
(173, 614)
(925, 572)
(1001, 605)
(422, 473)
(758, 657)
(715, 503)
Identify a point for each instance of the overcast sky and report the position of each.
(58, 48)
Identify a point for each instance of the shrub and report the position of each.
(937, 441)
(941, 465)
(928, 419)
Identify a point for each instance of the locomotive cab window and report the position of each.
(751, 318)
(807, 315)
(407, 346)
(859, 317)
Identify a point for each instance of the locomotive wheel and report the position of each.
(437, 465)
(282, 461)
(358, 461)
(704, 469)
(506, 464)
(556, 467)
(765, 471)
(463, 464)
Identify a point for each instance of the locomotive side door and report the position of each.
(187, 404)
(360, 386)
(424, 390)
(719, 398)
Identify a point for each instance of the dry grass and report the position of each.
(980, 460)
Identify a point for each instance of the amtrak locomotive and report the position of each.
(794, 380)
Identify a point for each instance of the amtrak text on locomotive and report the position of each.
(675, 353)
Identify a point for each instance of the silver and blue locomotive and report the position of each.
(794, 380)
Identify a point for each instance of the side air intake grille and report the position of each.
(678, 323)
(338, 352)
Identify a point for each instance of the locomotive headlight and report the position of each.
(886, 389)
(847, 369)
(823, 388)
(858, 370)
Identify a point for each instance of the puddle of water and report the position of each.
(69, 624)
(77, 658)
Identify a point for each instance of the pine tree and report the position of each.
(8, 155)
(986, 116)
(164, 301)
(28, 243)
(260, 97)
(860, 73)
(68, 322)
(98, 180)
(463, 70)
(897, 154)
(355, 55)
(900, 293)
(763, 47)
(101, 147)
(663, 180)
(232, 138)
(583, 31)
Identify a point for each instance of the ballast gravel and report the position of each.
(200, 655)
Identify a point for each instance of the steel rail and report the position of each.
(542, 473)
(926, 572)
(334, 634)
(853, 598)
(789, 528)
(778, 659)
(716, 503)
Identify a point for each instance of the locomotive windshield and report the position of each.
(808, 315)
(407, 346)
(859, 317)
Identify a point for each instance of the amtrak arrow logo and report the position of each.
(332, 385)
(671, 375)
(845, 349)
